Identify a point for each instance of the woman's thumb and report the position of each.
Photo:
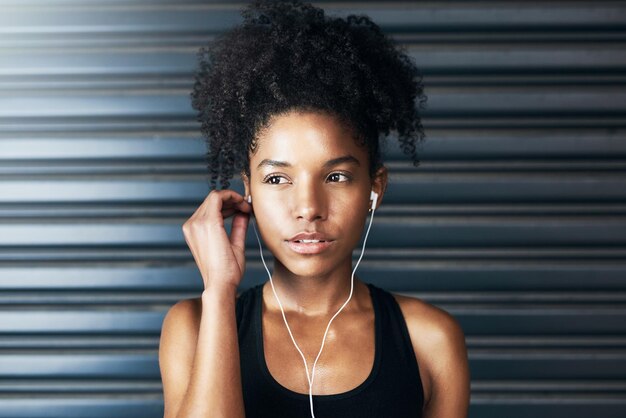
(238, 230)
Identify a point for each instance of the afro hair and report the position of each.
(287, 55)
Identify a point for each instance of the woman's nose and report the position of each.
(310, 203)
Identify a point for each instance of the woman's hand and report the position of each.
(220, 258)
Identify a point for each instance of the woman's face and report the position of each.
(309, 175)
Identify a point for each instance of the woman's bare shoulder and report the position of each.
(434, 325)
(180, 327)
(187, 311)
(438, 341)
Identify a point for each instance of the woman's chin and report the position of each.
(312, 268)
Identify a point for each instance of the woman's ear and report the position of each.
(246, 183)
(379, 184)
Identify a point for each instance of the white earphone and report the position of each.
(374, 200)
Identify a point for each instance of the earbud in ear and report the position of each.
(374, 199)
(249, 199)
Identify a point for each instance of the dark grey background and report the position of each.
(515, 221)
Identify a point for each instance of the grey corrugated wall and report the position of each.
(515, 222)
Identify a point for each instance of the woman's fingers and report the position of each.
(230, 211)
(238, 230)
(234, 204)
(220, 258)
(228, 203)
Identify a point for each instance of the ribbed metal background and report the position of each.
(515, 222)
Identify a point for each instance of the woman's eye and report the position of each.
(271, 179)
(336, 176)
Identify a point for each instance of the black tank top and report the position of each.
(392, 389)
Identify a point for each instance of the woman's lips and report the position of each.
(309, 248)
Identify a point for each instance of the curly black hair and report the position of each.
(287, 55)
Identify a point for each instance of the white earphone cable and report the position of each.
(310, 379)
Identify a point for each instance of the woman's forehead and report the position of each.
(306, 136)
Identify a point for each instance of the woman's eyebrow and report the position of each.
(330, 163)
(340, 160)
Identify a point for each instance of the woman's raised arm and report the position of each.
(199, 349)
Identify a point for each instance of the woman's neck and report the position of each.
(313, 296)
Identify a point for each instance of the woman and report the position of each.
(296, 101)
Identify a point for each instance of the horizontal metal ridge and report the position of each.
(136, 407)
(556, 299)
(538, 402)
(449, 102)
(553, 320)
(145, 366)
(398, 232)
(64, 346)
(407, 270)
(77, 211)
(539, 353)
(564, 297)
(593, 145)
(428, 259)
(119, 342)
(90, 366)
(93, 299)
(403, 187)
(188, 41)
(66, 406)
(60, 342)
(196, 168)
(174, 67)
(41, 387)
(167, 124)
(581, 387)
(74, 16)
(546, 341)
(78, 125)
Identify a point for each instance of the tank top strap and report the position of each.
(399, 361)
(244, 309)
